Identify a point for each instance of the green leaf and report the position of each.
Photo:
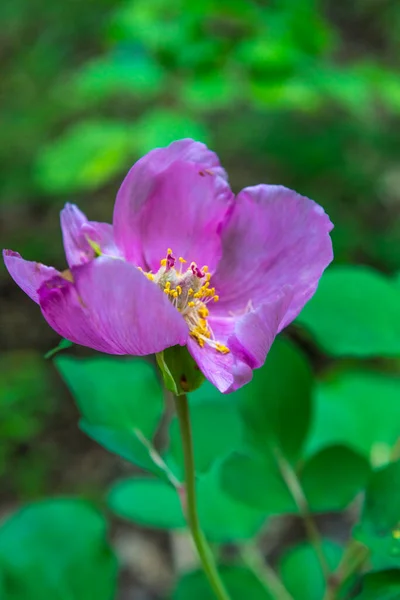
(179, 370)
(223, 519)
(257, 482)
(148, 502)
(381, 586)
(63, 345)
(276, 404)
(121, 402)
(114, 392)
(86, 156)
(240, 582)
(355, 312)
(129, 445)
(329, 480)
(301, 572)
(357, 409)
(156, 504)
(57, 550)
(216, 429)
(379, 528)
(332, 478)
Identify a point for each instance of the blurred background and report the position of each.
(302, 93)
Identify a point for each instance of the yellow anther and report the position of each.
(203, 312)
(182, 260)
(208, 276)
(140, 269)
(167, 285)
(205, 286)
(150, 276)
(216, 298)
(174, 293)
(179, 289)
(163, 262)
(169, 251)
(166, 291)
(223, 349)
(190, 291)
(197, 295)
(205, 269)
(191, 304)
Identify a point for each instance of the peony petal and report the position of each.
(121, 311)
(224, 371)
(65, 313)
(143, 184)
(77, 249)
(248, 337)
(185, 212)
(80, 236)
(27, 274)
(256, 330)
(274, 237)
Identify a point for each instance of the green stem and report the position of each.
(205, 554)
(352, 561)
(264, 573)
(294, 487)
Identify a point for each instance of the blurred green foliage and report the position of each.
(306, 94)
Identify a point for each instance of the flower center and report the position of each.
(189, 291)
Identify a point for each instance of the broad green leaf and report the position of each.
(121, 402)
(216, 429)
(156, 504)
(223, 519)
(332, 478)
(57, 550)
(114, 392)
(329, 480)
(358, 409)
(240, 582)
(148, 502)
(355, 312)
(379, 528)
(129, 445)
(257, 482)
(381, 586)
(86, 156)
(301, 571)
(276, 404)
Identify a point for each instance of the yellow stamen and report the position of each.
(169, 251)
(179, 289)
(216, 298)
(190, 291)
(163, 262)
(223, 349)
(182, 260)
(150, 276)
(205, 269)
(191, 304)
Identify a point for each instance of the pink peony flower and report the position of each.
(185, 262)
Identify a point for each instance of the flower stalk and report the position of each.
(190, 500)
